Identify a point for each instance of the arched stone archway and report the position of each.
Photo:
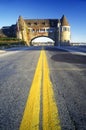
(42, 40)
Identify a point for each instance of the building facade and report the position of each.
(56, 29)
(28, 29)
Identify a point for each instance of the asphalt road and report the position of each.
(67, 74)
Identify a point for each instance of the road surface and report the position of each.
(42, 88)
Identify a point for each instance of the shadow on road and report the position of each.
(69, 58)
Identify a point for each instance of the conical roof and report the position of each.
(64, 21)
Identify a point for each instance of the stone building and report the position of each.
(28, 29)
(56, 29)
(8, 31)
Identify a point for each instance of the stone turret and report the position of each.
(64, 31)
(22, 30)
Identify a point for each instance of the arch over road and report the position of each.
(56, 29)
(42, 40)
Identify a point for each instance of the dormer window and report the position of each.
(29, 23)
(35, 23)
(43, 23)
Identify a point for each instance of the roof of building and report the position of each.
(42, 22)
(64, 21)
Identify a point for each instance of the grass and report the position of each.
(10, 42)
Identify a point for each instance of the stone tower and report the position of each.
(22, 30)
(64, 31)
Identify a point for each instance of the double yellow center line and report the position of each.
(31, 116)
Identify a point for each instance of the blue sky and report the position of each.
(74, 10)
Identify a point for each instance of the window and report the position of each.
(37, 30)
(43, 23)
(65, 29)
(47, 30)
(68, 29)
(42, 30)
(33, 30)
(35, 23)
(29, 24)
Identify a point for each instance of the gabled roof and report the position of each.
(64, 21)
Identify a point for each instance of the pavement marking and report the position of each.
(30, 120)
(31, 116)
(50, 111)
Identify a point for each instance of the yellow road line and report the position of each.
(50, 112)
(30, 120)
